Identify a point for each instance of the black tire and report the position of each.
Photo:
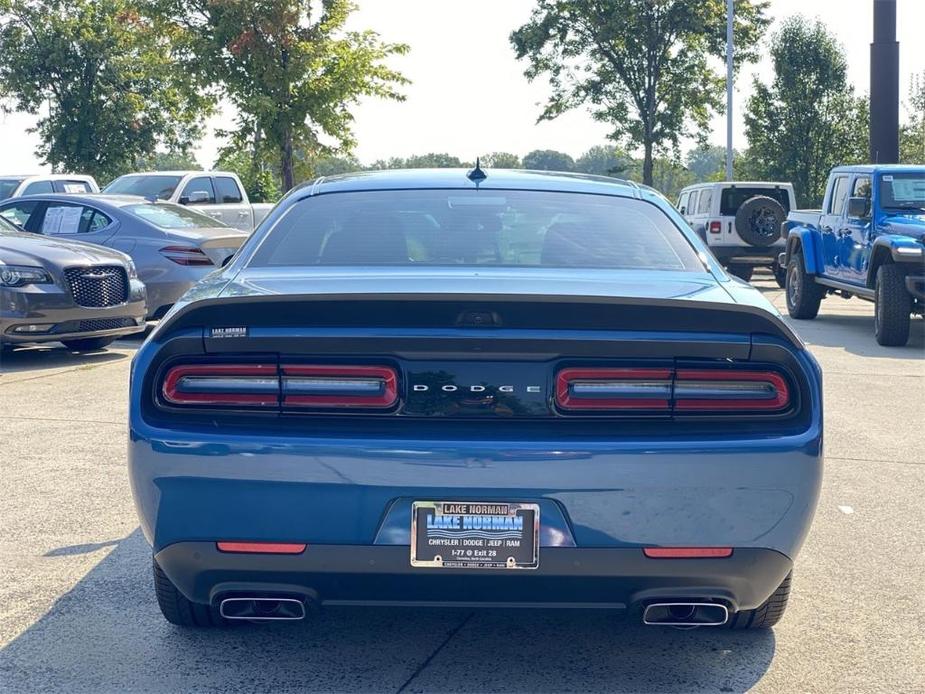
(803, 294)
(743, 272)
(758, 221)
(892, 307)
(780, 275)
(88, 344)
(768, 613)
(180, 611)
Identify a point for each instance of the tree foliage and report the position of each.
(291, 69)
(706, 162)
(605, 160)
(501, 160)
(431, 160)
(104, 79)
(643, 66)
(808, 119)
(167, 161)
(912, 134)
(548, 160)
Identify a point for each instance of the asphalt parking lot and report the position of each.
(77, 610)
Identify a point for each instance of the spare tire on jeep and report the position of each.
(759, 219)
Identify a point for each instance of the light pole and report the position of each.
(884, 85)
(729, 51)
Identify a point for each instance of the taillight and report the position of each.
(705, 390)
(339, 387)
(716, 227)
(674, 391)
(613, 389)
(251, 385)
(186, 255)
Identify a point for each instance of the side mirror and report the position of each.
(858, 208)
(197, 197)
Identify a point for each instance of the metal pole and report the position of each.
(729, 50)
(884, 85)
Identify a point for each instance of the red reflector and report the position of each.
(716, 227)
(339, 387)
(719, 389)
(262, 547)
(687, 552)
(253, 385)
(613, 389)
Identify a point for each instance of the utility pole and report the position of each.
(884, 85)
(729, 51)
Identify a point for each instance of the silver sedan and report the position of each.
(173, 247)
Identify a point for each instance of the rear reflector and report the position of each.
(613, 389)
(261, 547)
(340, 387)
(687, 552)
(252, 385)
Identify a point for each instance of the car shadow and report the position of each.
(106, 634)
(45, 357)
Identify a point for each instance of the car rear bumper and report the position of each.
(614, 578)
(748, 255)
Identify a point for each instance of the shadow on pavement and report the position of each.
(107, 635)
(52, 356)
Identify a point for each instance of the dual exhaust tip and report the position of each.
(685, 614)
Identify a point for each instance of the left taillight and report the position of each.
(186, 255)
(250, 385)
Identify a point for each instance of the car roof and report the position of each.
(180, 173)
(496, 179)
(737, 184)
(875, 168)
(98, 199)
(50, 177)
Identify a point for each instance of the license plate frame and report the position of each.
(483, 535)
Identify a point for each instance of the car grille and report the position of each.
(97, 287)
(87, 326)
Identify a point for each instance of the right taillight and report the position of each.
(716, 227)
(711, 390)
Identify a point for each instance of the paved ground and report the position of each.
(77, 612)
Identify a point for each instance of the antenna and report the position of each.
(477, 175)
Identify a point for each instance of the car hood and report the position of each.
(36, 250)
(912, 225)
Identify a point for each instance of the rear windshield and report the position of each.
(170, 216)
(902, 191)
(8, 186)
(476, 228)
(733, 198)
(161, 187)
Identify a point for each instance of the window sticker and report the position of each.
(61, 220)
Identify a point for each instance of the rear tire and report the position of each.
(88, 344)
(803, 294)
(180, 611)
(892, 307)
(768, 613)
(743, 272)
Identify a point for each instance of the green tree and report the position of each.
(431, 160)
(605, 160)
(103, 78)
(912, 134)
(705, 162)
(261, 184)
(167, 161)
(548, 160)
(643, 66)
(808, 119)
(501, 160)
(291, 68)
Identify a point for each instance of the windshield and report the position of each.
(170, 216)
(733, 198)
(476, 228)
(8, 186)
(158, 186)
(7, 226)
(902, 191)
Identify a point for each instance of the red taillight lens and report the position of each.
(262, 547)
(716, 227)
(687, 552)
(613, 389)
(186, 255)
(325, 386)
(252, 385)
(681, 391)
(719, 389)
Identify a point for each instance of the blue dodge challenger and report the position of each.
(515, 389)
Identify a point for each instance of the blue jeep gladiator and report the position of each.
(868, 240)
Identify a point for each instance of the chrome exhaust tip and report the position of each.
(685, 614)
(262, 609)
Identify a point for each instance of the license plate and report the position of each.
(475, 535)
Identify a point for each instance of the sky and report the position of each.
(468, 95)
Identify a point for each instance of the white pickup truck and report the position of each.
(219, 194)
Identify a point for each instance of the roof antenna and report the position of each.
(477, 175)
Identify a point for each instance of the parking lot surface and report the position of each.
(77, 608)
